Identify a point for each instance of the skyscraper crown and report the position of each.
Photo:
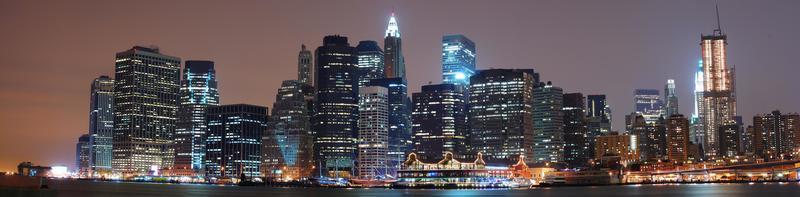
(392, 30)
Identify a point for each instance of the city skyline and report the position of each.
(420, 64)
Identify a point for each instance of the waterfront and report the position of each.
(71, 188)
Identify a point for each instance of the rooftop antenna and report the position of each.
(717, 31)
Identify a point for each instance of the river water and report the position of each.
(90, 188)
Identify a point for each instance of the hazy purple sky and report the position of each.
(50, 51)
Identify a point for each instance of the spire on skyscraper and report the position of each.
(392, 29)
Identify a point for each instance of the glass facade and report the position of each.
(198, 92)
(234, 140)
(458, 59)
(548, 124)
(719, 100)
(336, 119)
(399, 120)
(101, 125)
(501, 114)
(146, 98)
(648, 104)
(370, 62)
(577, 151)
(439, 121)
(288, 141)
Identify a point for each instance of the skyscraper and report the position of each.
(288, 141)
(198, 92)
(719, 100)
(648, 104)
(548, 124)
(670, 99)
(234, 140)
(305, 68)
(399, 121)
(439, 121)
(776, 134)
(82, 152)
(373, 132)
(101, 125)
(336, 119)
(501, 114)
(370, 62)
(696, 133)
(577, 151)
(146, 92)
(599, 118)
(678, 138)
(393, 49)
(458, 59)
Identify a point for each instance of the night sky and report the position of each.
(51, 51)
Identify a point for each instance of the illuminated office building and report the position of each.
(234, 140)
(305, 68)
(776, 134)
(548, 124)
(288, 141)
(198, 92)
(370, 62)
(439, 121)
(598, 118)
(82, 152)
(577, 151)
(648, 104)
(677, 138)
(399, 121)
(101, 125)
(146, 98)
(670, 99)
(719, 97)
(373, 132)
(394, 61)
(335, 121)
(458, 59)
(501, 114)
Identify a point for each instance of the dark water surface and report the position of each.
(89, 188)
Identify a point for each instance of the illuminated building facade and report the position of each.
(439, 121)
(449, 172)
(576, 134)
(501, 114)
(335, 121)
(458, 59)
(719, 100)
(146, 98)
(598, 118)
(399, 121)
(548, 124)
(288, 142)
(670, 99)
(101, 125)
(370, 62)
(373, 132)
(305, 66)
(393, 50)
(616, 145)
(776, 134)
(696, 131)
(82, 152)
(234, 140)
(729, 137)
(198, 92)
(648, 104)
(678, 138)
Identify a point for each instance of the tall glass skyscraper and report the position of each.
(719, 100)
(670, 99)
(82, 152)
(393, 49)
(648, 104)
(576, 134)
(548, 124)
(198, 92)
(439, 121)
(336, 119)
(370, 62)
(458, 59)
(289, 141)
(598, 117)
(234, 140)
(373, 132)
(501, 114)
(399, 121)
(101, 125)
(146, 92)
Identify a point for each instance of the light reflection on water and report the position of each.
(88, 188)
